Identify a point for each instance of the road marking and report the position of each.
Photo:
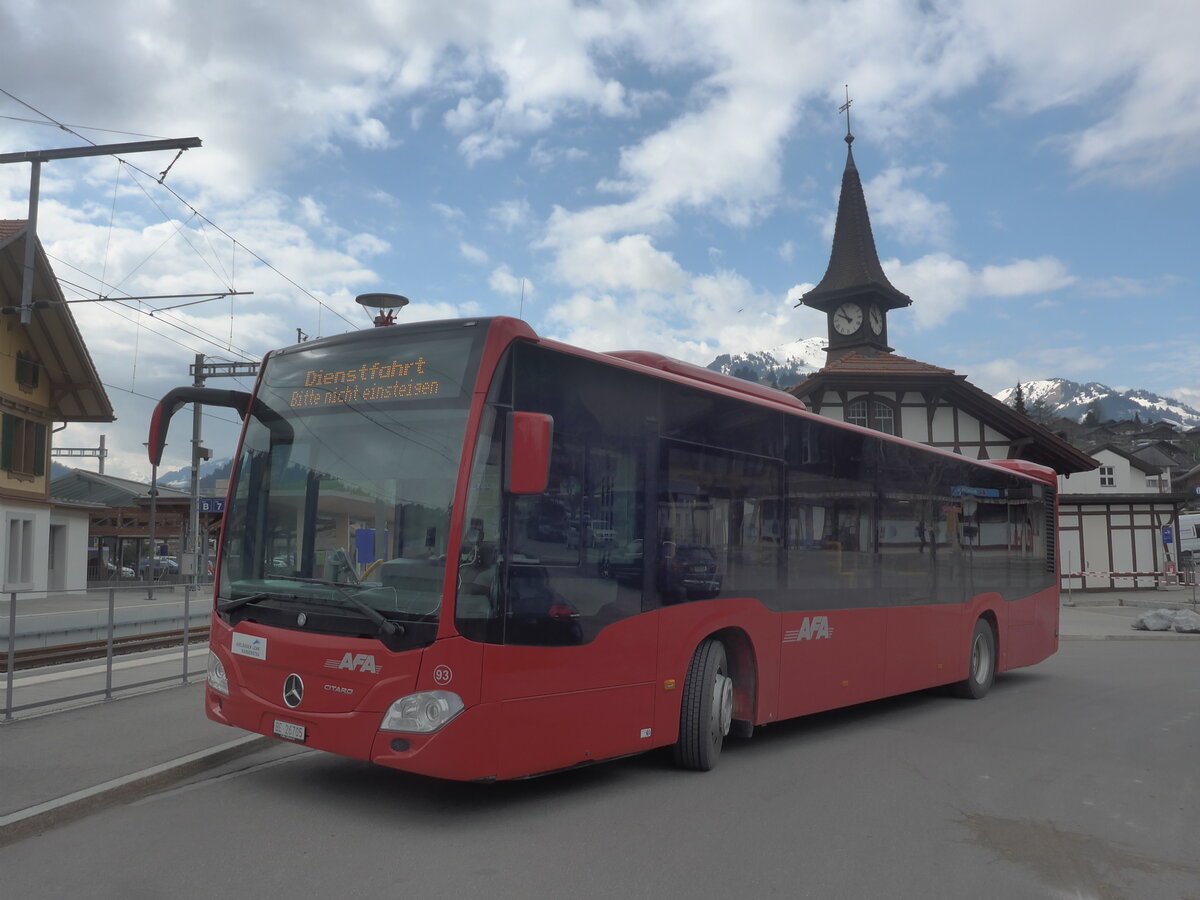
(27, 680)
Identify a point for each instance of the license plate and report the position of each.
(289, 731)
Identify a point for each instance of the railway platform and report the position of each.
(81, 616)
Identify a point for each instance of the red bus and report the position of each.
(458, 549)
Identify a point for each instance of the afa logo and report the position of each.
(355, 662)
(811, 629)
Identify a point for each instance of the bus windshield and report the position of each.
(345, 481)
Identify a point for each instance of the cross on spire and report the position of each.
(845, 108)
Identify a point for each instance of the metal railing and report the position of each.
(106, 617)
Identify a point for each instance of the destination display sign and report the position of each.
(359, 376)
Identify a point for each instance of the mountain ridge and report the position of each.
(1056, 397)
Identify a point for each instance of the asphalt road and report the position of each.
(1078, 778)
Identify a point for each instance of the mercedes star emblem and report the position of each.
(293, 690)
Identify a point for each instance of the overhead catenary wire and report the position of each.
(321, 304)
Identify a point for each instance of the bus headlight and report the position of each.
(422, 713)
(216, 674)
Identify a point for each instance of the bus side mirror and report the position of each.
(530, 435)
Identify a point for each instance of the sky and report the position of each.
(622, 175)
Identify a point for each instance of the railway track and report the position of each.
(36, 657)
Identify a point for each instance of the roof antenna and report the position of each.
(845, 108)
(521, 308)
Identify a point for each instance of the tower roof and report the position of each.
(854, 267)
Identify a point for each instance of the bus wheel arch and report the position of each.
(982, 658)
(743, 669)
(718, 699)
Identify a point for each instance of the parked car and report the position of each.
(684, 572)
(164, 566)
(108, 571)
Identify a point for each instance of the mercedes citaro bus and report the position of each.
(459, 549)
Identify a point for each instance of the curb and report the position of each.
(34, 819)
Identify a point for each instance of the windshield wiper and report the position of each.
(229, 605)
(386, 625)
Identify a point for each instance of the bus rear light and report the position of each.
(217, 680)
(422, 713)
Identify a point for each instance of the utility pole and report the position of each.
(199, 453)
(199, 372)
(36, 158)
(99, 452)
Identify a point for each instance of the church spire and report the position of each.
(854, 283)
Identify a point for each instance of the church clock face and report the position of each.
(847, 318)
(875, 317)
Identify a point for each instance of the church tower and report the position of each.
(855, 295)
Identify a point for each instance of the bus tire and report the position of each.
(707, 711)
(981, 667)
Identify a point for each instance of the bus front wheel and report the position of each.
(982, 666)
(707, 711)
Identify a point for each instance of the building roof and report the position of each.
(869, 370)
(853, 261)
(1141, 465)
(110, 491)
(77, 394)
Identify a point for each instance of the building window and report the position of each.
(28, 371)
(856, 413)
(1108, 476)
(872, 413)
(22, 446)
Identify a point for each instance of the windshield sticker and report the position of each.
(248, 645)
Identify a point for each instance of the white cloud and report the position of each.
(628, 263)
(503, 281)
(945, 285)
(907, 214)
(471, 253)
(363, 245)
(511, 214)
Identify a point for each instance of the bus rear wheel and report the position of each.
(982, 667)
(707, 711)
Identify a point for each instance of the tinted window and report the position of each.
(549, 579)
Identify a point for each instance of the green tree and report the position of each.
(1018, 400)
(1092, 417)
(1040, 411)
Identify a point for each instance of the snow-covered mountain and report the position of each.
(1073, 400)
(782, 368)
(210, 470)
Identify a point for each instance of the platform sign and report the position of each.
(212, 504)
(1168, 535)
